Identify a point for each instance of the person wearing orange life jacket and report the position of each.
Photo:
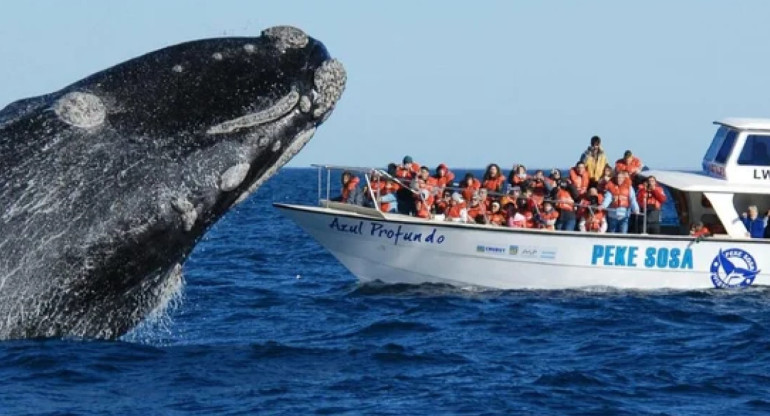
(424, 204)
(592, 218)
(457, 212)
(606, 178)
(496, 215)
(442, 204)
(537, 183)
(407, 170)
(651, 197)
(565, 196)
(552, 181)
(523, 215)
(621, 199)
(580, 178)
(546, 219)
(444, 176)
(469, 186)
(594, 158)
(518, 176)
(493, 178)
(350, 194)
(425, 181)
(629, 163)
(699, 230)
(477, 210)
(385, 190)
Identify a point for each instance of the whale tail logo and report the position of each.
(724, 273)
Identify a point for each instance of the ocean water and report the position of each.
(270, 323)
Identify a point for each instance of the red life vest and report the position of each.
(455, 211)
(408, 171)
(580, 181)
(468, 191)
(594, 222)
(423, 207)
(548, 219)
(497, 218)
(564, 201)
(349, 187)
(654, 198)
(494, 184)
(621, 194)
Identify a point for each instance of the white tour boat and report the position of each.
(395, 248)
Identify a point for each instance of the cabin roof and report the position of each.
(700, 182)
(745, 123)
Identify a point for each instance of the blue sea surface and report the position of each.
(270, 323)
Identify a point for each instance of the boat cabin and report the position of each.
(735, 175)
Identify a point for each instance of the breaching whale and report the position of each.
(107, 184)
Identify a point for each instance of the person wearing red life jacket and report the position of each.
(425, 181)
(620, 198)
(650, 197)
(493, 178)
(592, 217)
(496, 215)
(469, 186)
(350, 194)
(424, 203)
(546, 219)
(580, 178)
(606, 178)
(518, 176)
(629, 163)
(444, 176)
(457, 211)
(523, 215)
(565, 196)
(477, 210)
(407, 170)
(537, 184)
(699, 230)
(385, 190)
(442, 204)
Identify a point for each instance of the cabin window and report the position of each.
(716, 143)
(756, 151)
(727, 147)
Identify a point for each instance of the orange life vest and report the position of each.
(580, 181)
(621, 194)
(455, 211)
(548, 219)
(494, 184)
(408, 171)
(468, 191)
(564, 201)
(594, 222)
(476, 212)
(423, 207)
(631, 167)
(655, 198)
(349, 187)
(497, 218)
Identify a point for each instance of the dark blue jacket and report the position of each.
(755, 227)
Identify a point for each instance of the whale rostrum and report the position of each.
(108, 184)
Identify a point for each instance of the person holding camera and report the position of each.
(650, 197)
(565, 196)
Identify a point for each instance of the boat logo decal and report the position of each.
(490, 249)
(547, 253)
(733, 268)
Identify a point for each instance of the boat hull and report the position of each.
(400, 249)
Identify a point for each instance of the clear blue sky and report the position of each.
(456, 82)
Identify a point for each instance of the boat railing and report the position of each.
(374, 194)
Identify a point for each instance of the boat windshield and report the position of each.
(721, 146)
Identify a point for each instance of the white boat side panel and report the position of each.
(738, 123)
(425, 251)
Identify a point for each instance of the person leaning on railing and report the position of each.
(620, 198)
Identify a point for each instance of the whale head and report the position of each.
(108, 184)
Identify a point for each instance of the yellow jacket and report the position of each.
(594, 164)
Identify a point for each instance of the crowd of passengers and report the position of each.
(593, 196)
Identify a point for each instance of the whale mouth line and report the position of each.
(328, 85)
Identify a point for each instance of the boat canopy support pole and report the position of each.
(725, 210)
